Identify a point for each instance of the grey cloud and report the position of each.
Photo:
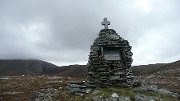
(61, 31)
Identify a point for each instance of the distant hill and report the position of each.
(27, 67)
(74, 71)
(147, 69)
(171, 69)
(39, 67)
(158, 68)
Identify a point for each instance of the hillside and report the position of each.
(27, 67)
(171, 69)
(165, 75)
(146, 69)
(39, 67)
(73, 71)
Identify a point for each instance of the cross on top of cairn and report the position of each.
(105, 23)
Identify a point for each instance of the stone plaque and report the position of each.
(112, 55)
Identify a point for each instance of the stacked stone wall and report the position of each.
(104, 73)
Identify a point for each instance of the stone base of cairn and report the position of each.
(108, 71)
(105, 70)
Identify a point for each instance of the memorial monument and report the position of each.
(109, 66)
(110, 60)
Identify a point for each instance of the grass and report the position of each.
(107, 92)
(164, 97)
(29, 85)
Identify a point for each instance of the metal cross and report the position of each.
(105, 23)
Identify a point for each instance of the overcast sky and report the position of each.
(61, 31)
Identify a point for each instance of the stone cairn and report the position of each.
(109, 62)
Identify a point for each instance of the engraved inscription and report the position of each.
(112, 55)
